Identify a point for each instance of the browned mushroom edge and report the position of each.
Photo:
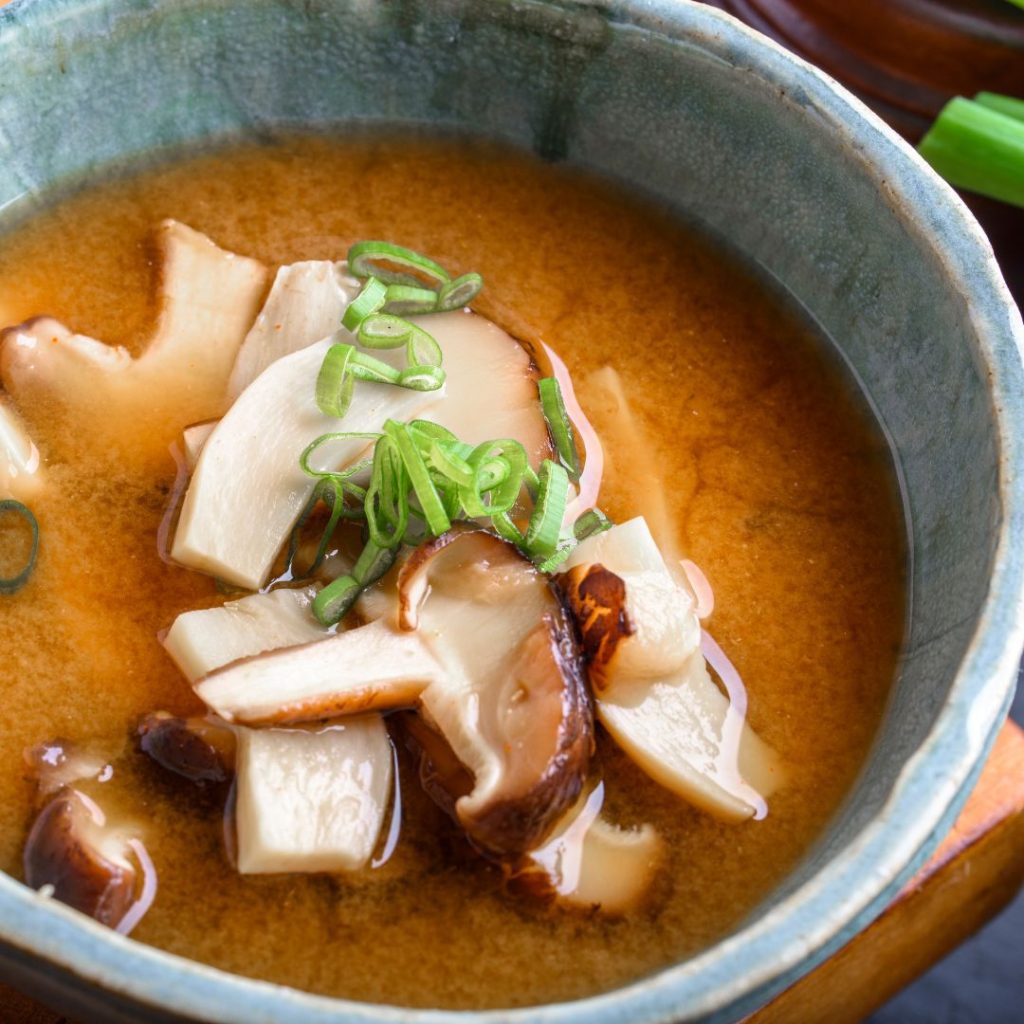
(537, 792)
(64, 851)
(596, 598)
(201, 750)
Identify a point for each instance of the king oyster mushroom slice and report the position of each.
(305, 304)
(101, 871)
(248, 488)
(208, 299)
(651, 686)
(20, 470)
(484, 649)
(312, 800)
(589, 862)
(306, 800)
(204, 640)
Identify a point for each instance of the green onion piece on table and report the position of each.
(559, 424)
(1008, 105)
(978, 148)
(12, 584)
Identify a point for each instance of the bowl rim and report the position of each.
(740, 972)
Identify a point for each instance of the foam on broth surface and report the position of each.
(780, 486)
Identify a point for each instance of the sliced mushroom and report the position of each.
(96, 869)
(202, 641)
(492, 384)
(590, 863)
(201, 750)
(208, 299)
(486, 652)
(20, 466)
(312, 800)
(305, 304)
(248, 488)
(653, 692)
(373, 668)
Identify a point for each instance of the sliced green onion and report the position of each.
(373, 371)
(337, 435)
(387, 503)
(544, 529)
(559, 424)
(422, 378)
(408, 299)
(504, 493)
(1008, 105)
(562, 552)
(979, 149)
(431, 505)
(368, 258)
(382, 330)
(331, 604)
(372, 563)
(12, 584)
(367, 302)
(460, 292)
(334, 383)
(422, 349)
(591, 523)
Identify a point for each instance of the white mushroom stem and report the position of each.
(305, 304)
(652, 688)
(205, 640)
(20, 466)
(312, 800)
(192, 440)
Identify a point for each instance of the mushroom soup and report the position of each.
(366, 649)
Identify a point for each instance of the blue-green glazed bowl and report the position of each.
(682, 102)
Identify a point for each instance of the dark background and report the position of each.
(983, 981)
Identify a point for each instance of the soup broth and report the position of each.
(777, 482)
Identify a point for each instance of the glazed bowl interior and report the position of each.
(681, 103)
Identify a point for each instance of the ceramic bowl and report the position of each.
(680, 102)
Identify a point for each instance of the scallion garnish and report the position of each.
(376, 317)
(12, 584)
(376, 259)
(978, 145)
(594, 521)
(559, 424)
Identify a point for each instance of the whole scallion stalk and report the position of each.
(978, 145)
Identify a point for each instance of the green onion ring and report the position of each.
(334, 383)
(331, 604)
(459, 293)
(12, 584)
(367, 302)
(422, 378)
(364, 259)
(542, 533)
(383, 331)
(591, 523)
(559, 424)
(407, 299)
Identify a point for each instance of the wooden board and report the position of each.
(975, 873)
